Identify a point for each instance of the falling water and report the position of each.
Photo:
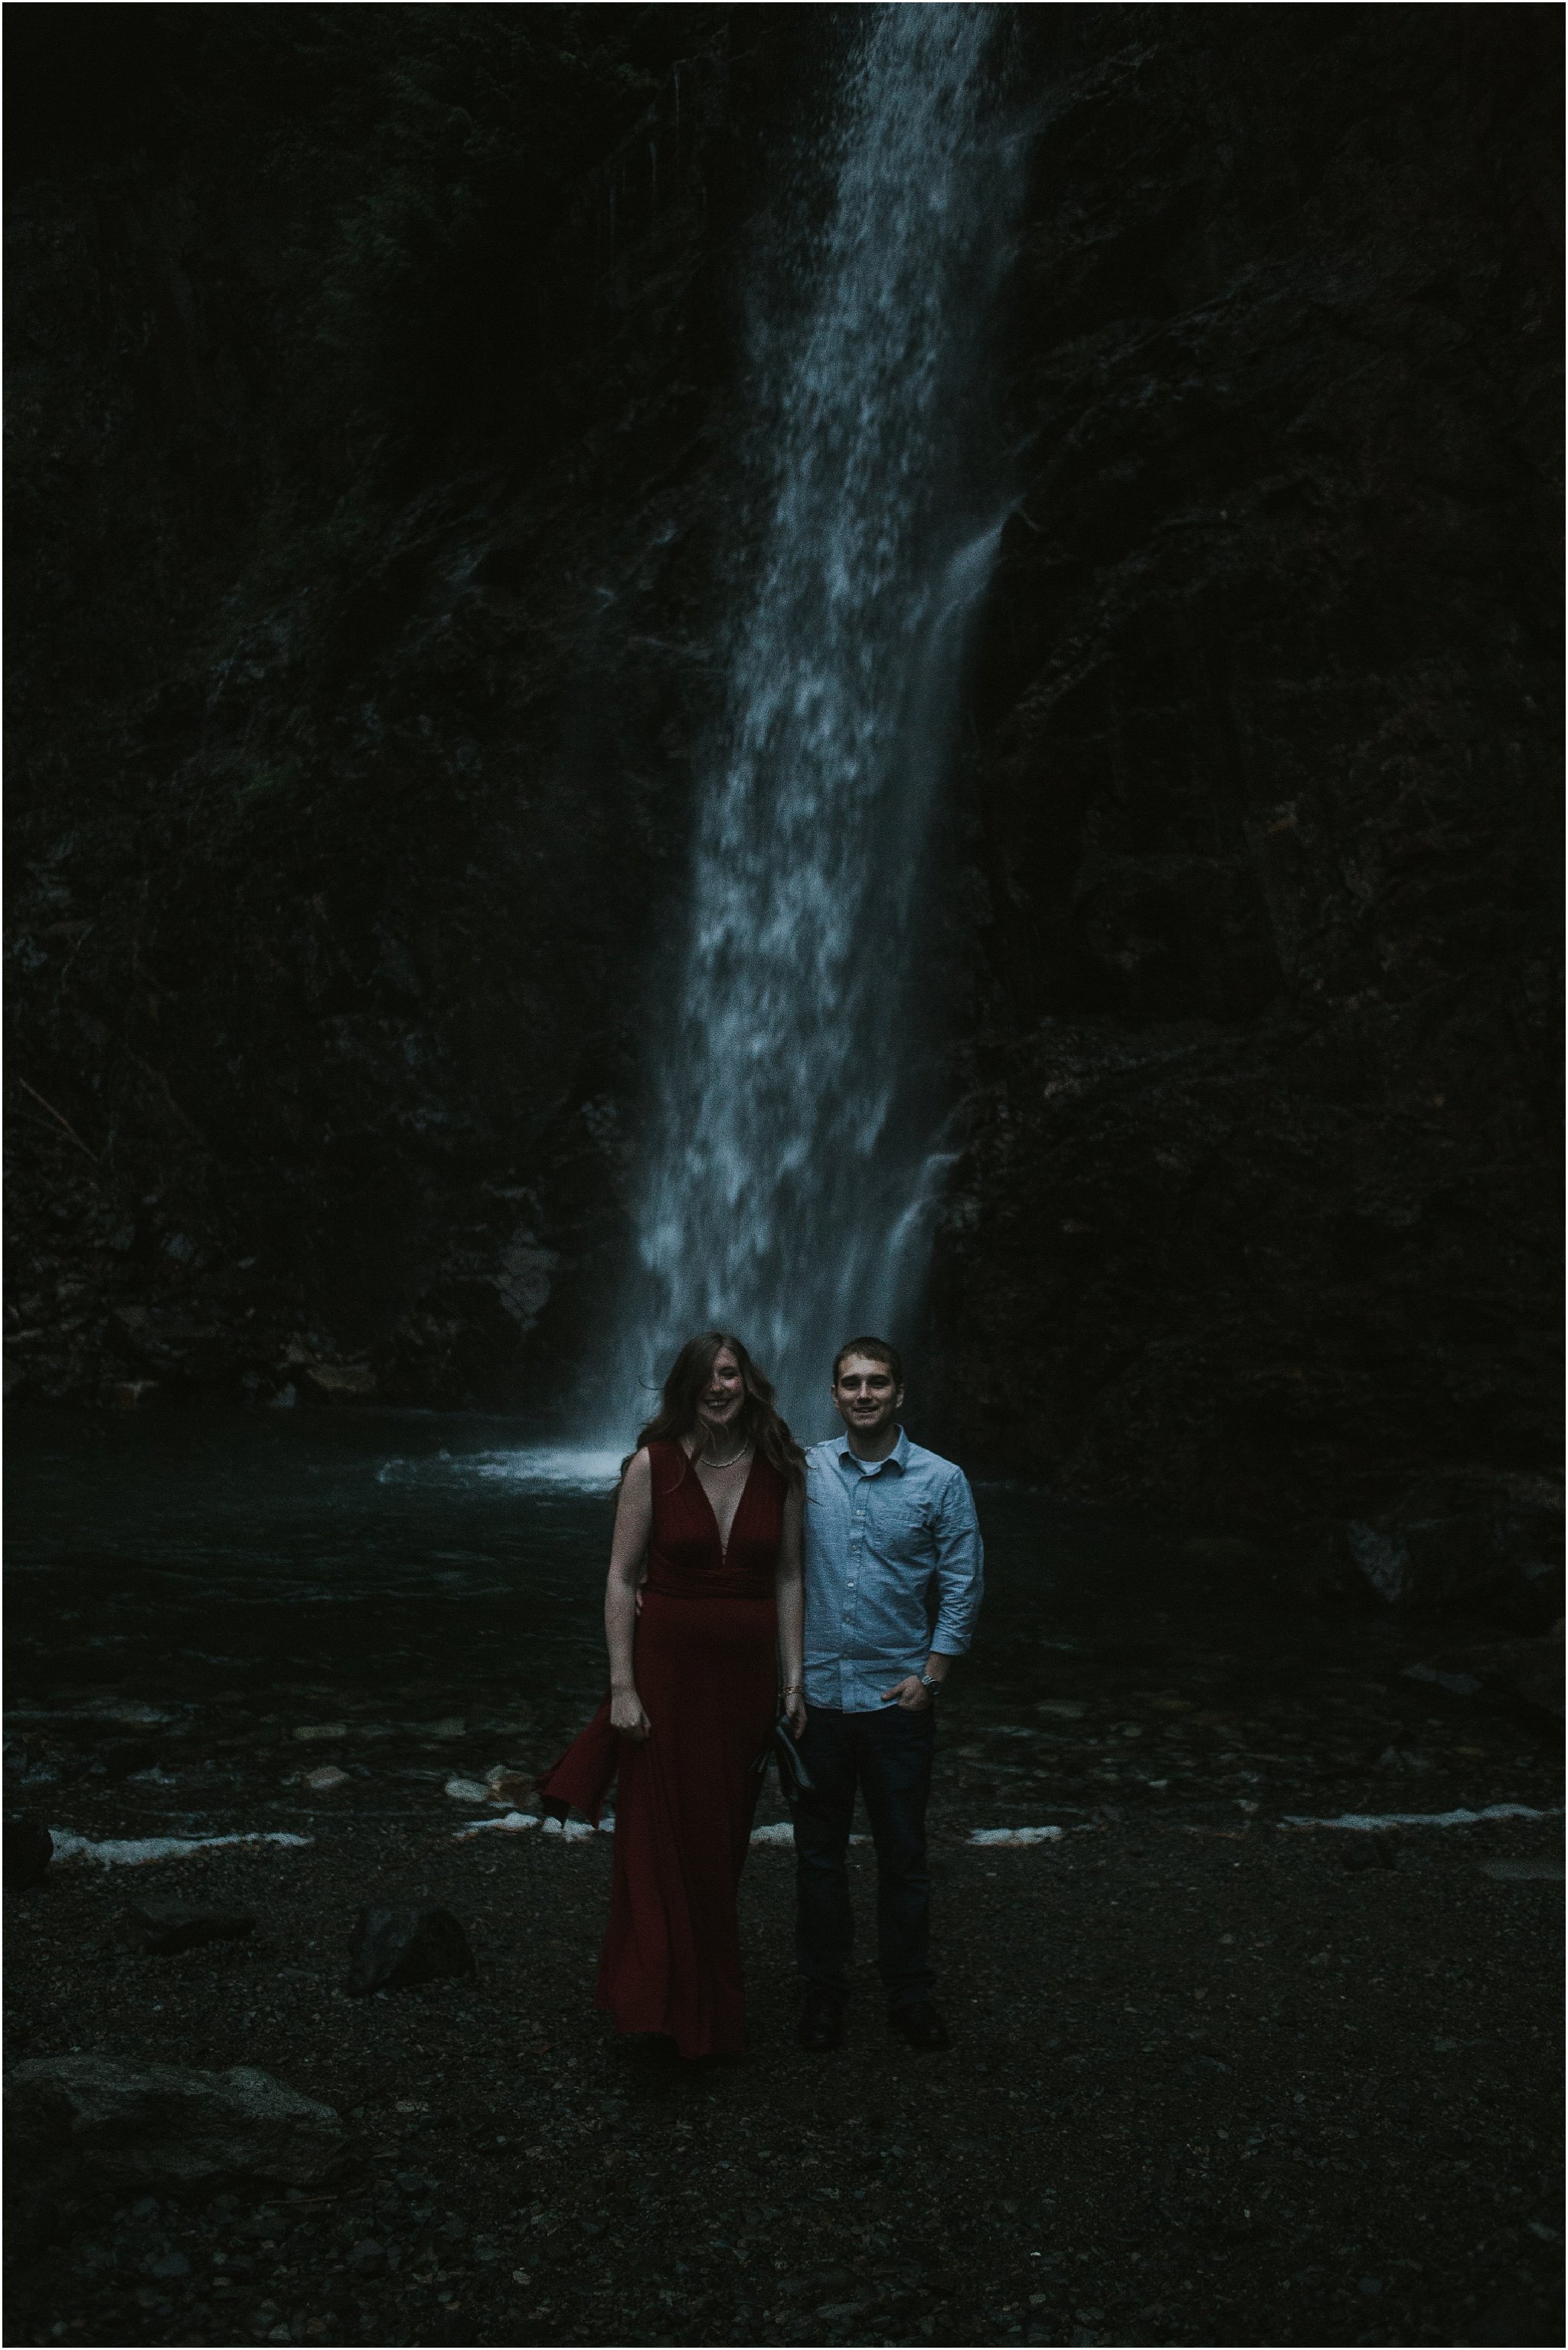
(795, 1162)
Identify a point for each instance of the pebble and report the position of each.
(323, 1778)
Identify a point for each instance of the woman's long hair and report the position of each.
(758, 1419)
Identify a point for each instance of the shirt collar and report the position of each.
(898, 1459)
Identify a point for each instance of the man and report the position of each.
(888, 1526)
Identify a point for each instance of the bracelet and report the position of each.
(794, 1688)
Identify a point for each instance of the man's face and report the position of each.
(866, 1396)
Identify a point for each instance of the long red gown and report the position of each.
(705, 1655)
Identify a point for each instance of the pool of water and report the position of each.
(245, 1575)
(440, 1553)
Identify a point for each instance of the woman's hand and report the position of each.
(794, 1712)
(627, 1716)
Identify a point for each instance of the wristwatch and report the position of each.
(929, 1683)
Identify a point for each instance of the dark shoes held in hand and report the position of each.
(920, 2025)
(821, 2025)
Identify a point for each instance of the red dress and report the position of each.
(705, 1654)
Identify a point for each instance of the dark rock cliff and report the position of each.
(376, 421)
(1261, 1204)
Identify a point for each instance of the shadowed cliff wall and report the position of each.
(376, 464)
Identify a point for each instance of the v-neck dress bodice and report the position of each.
(686, 1542)
(706, 1665)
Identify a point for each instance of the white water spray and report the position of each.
(794, 1168)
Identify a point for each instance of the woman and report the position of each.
(709, 1524)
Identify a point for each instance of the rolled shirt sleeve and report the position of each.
(961, 1567)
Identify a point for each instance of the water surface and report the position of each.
(433, 1583)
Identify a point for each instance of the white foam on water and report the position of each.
(1015, 1835)
(531, 1468)
(513, 1823)
(1365, 1820)
(545, 1470)
(135, 1851)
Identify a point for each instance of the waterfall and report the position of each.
(794, 1161)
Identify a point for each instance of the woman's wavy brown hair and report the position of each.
(759, 1419)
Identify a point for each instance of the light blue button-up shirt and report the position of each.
(882, 1537)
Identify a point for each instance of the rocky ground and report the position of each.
(1215, 2078)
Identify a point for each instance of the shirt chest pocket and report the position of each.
(904, 1529)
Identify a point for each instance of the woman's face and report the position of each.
(724, 1394)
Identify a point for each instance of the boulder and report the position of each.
(396, 1947)
(165, 1927)
(30, 1848)
(1464, 1540)
(171, 2125)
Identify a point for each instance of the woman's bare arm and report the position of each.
(628, 1547)
(791, 1609)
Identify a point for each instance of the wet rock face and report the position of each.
(376, 614)
(1257, 1202)
(357, 782)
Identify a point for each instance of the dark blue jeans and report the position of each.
(888, 1756)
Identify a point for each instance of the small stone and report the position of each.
(310, 1734)
(467, 1791)
(1457, 1684)
(165, 1927)
(368, 2258)
(1370, 2284)
(325, 1778)
(451, 1725)
(507, 1785)
(341, 1382)
(397, 1946)
(30, 1848)
(1363, 1852)
(131, 1395)
(122, 1756)
(167, 2265)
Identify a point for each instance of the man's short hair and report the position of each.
(875, 1350)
